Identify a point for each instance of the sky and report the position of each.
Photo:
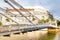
(53, 6)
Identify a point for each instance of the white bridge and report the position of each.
(20, 28)
(11, 29)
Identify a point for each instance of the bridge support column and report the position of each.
(51, 31)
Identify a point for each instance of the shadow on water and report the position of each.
(47, 37)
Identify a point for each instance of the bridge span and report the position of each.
(12, 29)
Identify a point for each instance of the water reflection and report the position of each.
(48, 37)
(35, 35)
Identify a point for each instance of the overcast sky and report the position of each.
(53, 6)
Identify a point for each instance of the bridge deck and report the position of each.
(4, 30)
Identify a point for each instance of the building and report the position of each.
(39, 12)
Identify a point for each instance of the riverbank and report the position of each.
(53, 31)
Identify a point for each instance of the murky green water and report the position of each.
(35, 35)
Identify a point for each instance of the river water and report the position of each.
(35, 35)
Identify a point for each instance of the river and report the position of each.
(34, 35)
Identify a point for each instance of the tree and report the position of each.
(47, 20)
(7, 19)
(33, 19)
(58, 22)
(0, 23)
(40, 21)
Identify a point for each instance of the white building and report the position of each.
(39, 12)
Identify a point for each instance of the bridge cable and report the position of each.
(18, 11)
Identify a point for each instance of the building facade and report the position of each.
(40, 13)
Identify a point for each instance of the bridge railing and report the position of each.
(15, 27)
(6, 28)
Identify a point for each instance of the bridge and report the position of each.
(20, 28)
(13, 29)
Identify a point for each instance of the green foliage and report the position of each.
(47, 20)
(44, 21)
(7, 19)
(58, 22)
(51, 19)
(0, 23)
(39, 22)
(33, 19)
